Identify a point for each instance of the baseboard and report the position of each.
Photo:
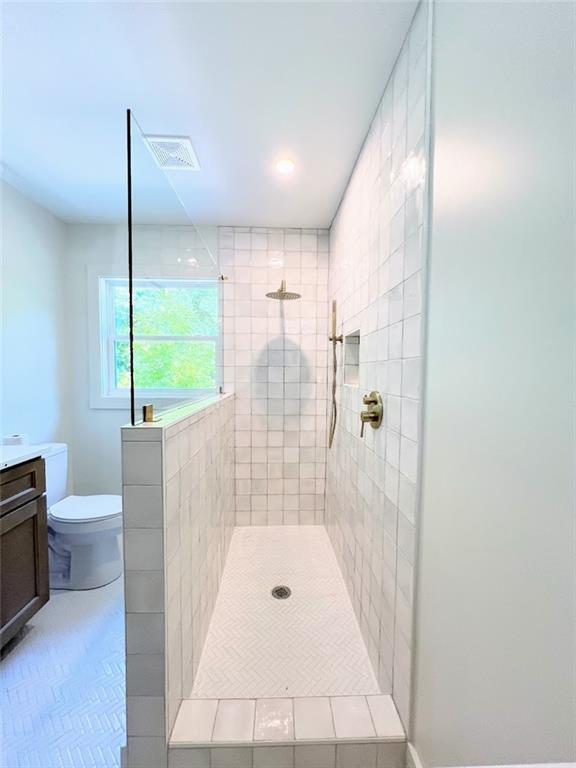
(412, 757)
(413, 761)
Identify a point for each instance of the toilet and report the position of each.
(84, 532)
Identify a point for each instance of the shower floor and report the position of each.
(306, 645)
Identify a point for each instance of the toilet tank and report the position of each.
(55, 456)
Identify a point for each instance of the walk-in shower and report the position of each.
(261, 554)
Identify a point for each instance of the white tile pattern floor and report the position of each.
(62, 685)
(307, 645)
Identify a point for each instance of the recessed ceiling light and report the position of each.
(285, 166)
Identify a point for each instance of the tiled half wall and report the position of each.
(178, 518)
(376, 261)
(275, 358)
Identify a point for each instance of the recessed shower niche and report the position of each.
(352, 358)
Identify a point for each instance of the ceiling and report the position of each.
(248, 82)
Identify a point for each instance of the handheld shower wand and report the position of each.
(334, 411)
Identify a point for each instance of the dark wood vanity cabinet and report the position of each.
(24, 586)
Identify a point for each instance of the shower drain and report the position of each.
(281, 592)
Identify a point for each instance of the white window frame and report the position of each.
(102, 337)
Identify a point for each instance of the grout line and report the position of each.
(371, 716)
(214, 723)
(254, 719)
(332, 715)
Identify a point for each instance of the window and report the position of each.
(176, 337)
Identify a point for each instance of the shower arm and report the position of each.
(334, 409)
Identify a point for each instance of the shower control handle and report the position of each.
(374, 412)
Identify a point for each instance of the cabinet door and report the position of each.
(21, 484)
(24, 585)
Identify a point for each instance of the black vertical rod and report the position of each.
(130, 266)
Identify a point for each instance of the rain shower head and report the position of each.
(282, 294)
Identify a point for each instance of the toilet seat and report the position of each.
(86, 509)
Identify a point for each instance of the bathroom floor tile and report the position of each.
(289, 647)
(63, 684)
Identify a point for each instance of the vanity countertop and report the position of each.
(10, 455)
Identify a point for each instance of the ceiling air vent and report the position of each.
(173, 153)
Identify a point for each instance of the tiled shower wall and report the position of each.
(275, 357)
(376, 263)
(199, 520)
(178, 520)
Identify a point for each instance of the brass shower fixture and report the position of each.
(374, 412)
(334, 339)
(282, 294)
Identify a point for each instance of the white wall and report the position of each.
(94, 432)
(495, 612)
(44, 338)
(33, 363)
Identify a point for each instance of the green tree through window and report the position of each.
(175, 335)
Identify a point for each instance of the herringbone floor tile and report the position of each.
(307, 645)
(62, 685)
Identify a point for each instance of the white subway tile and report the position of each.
(143, 549)
(147, 752)
(144, 591)
(141, 463)
(231, 757)
(145, 674)
(356, 755)
(313, 718)
(315, 756)
(189, 758)
(274, 720)
(142, 506)
(234, 720)
(145, 632)
(385, 717)
(145, 716)
(351, 717)
(195, 721)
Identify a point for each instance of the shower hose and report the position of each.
(334, 410)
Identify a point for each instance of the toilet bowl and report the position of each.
(84, 532)
(84, 538)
